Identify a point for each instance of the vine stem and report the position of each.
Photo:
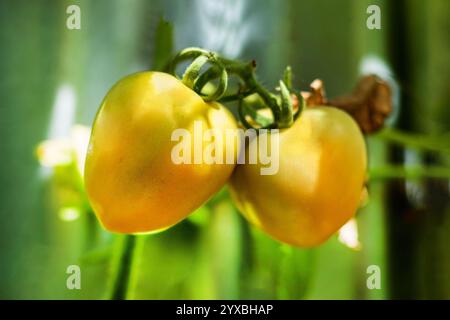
(122, 267)
(245, 71)
(281, 105)
(416, 141)
(408, 172)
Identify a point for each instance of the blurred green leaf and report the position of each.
(408, 172)
(97, 256)
(221, 195)
(163, 45)
(216, 275)
(200, 216)
(296, 269)
(438, 143)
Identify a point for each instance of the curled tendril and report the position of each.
(193, 71)
(184, 55)
(193, 78)
(261, 121)
(281, 105)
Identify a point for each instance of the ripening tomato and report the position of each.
(318, 186)
(131, 181)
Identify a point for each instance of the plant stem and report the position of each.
(122, 268)
(417, 141)
(282, 109)
(408, 172)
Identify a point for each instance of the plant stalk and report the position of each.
(122, 268)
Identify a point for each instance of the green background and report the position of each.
(405, 228)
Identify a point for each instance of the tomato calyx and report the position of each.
(284, 106)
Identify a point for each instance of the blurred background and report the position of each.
(53, 80)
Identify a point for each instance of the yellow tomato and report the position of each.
(132, 183)
(317, 189)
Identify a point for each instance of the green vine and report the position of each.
(122, 268)
(281, 104)
(435, 143)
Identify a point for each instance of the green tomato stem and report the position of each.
(281, 105)
(122, 265)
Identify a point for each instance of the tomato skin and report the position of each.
(322, 169)
(131, 181)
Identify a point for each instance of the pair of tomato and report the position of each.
(135, 187)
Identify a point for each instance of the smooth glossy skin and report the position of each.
(319, 183)
(131, 181)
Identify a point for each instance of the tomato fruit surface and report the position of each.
(317, 189)
(131, 181)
